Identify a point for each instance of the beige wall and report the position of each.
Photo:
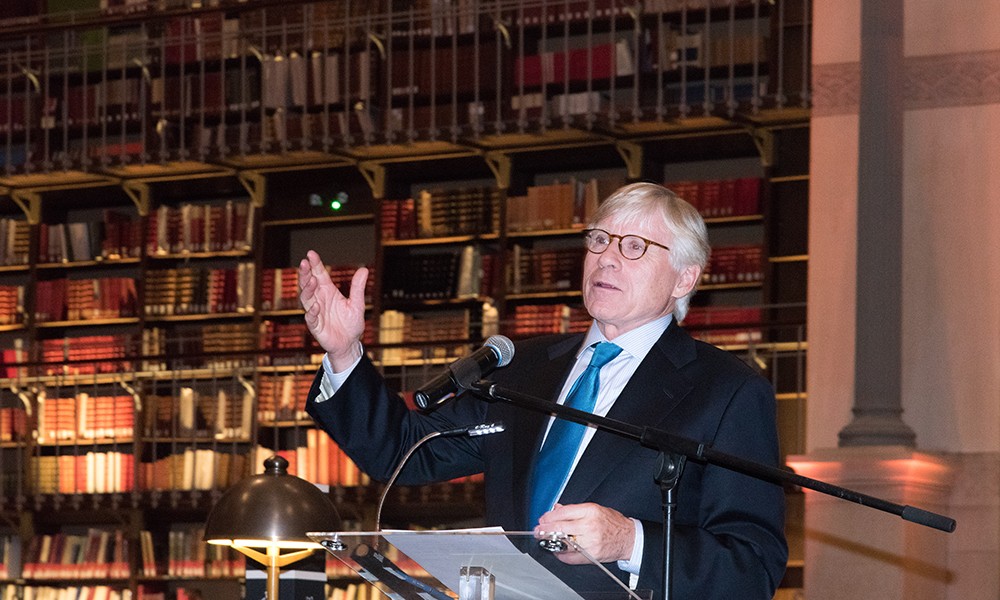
(950, 312)
(951, 221)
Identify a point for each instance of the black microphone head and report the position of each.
(504, 348)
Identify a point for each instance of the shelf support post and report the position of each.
(374, 174)
(139, 192)
(632, 154)
(764, 140)
(500, 164)
(255, 184)
(30, 202)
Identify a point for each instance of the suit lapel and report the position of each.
(546, 382)
(651, 394)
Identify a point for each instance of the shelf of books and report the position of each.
(235, 80)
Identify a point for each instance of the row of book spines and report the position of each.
(213, 36)
(723, 337)
(219, 338)
(706, 45)
(77, 592)
(553, 206)
(14, 241)
(219, 415)
(279, 337)
(13, 424)
(90, 473)
(10, 557)
(191, 291)
(597, 62)
(11, 357)
(280, 286)
(220, 561)
(285, 80)
(287, 336)
(115, 472)
(288, 81)
(735, 264)
(188, 228)
(320, 85)
(283, 397)
(99, 553)
(533, 319)
(440, 69)
(85, 417)
(75, 300)
(423, 276)
(538, 270)
(115, 238)
(719, 198)
(464, 273)
(188, 556)
(86, 355)
(87, 346)
(559, 12)
(398, 326)
(11, 304)
(566, 205)
(321, 461)
(358, 122)
(52, 433)
(194, 227)
(438, 213)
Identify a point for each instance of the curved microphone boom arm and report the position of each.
(471, 431)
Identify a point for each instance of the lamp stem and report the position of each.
(273, 561)
(273, 578)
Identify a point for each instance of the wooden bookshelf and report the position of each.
(181, 163)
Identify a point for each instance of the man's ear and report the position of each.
(689, 278)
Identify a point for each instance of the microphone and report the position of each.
(471, 431)
(496, 352)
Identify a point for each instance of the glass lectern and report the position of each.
(478, 564)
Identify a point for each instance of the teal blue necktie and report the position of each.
(561, 445)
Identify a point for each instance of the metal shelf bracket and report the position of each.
(500, 164)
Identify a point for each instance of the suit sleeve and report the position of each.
(373, 425)
(734, 545)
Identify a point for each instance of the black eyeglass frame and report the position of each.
(621, 240)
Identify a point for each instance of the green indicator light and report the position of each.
(338, 201)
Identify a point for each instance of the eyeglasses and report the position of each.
(632, 247)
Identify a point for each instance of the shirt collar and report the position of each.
(636, 342)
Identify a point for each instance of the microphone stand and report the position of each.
(667, 475)
(688, 449)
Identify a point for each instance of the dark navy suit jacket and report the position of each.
(729, 539)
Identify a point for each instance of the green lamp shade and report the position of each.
(271, 509)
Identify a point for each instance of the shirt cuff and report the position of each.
(330, 382)
(634, 563)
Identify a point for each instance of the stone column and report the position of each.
(878, 318)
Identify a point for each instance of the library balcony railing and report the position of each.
(126, 91)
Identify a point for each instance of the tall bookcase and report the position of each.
(165, 167)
